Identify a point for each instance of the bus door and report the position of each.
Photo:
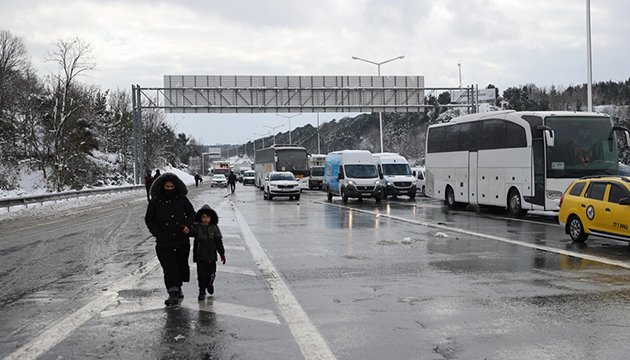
(472, 177)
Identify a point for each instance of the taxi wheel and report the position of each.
(576, 229)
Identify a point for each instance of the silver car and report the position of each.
(218, 180)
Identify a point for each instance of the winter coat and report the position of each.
(208, 238)
(148, 181)
(166, 216)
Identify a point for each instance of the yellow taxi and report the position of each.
(598, 206)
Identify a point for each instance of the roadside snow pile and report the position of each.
(70, 206)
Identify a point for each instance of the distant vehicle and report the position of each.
(316, 171)
(352, 174)
(249, 177)
(221, 167)
(218, 180)
(239, 174)
(421, 181)
(281, 183)
(279, 157)
(598, 206)
(517, 160)
(395, 174)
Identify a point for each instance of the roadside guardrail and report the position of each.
(8, 202)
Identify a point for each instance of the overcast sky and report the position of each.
(501, 42)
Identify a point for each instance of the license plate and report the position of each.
(403, 191)
(366, 194)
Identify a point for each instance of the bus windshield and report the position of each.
(289, 160)
(396, 169)
(581, 147)
(361, 171)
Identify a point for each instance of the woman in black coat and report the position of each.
(169, 218)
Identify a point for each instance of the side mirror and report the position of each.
(340, 175)
(624, 201)
(414, 173)
(626, 133)
(548, 133)
(380, 175)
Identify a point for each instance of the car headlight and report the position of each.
(377, 182)
(387, 183)
(350, 182)
(413, 183)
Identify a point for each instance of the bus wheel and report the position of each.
(576, 229)
(514, 204)
(344, 197)
(329, 196)
(450, 198)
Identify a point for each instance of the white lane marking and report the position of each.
(492, 237)
(311, 342)
(60, 330)
(231, 236)
(217, 307)
(235, 247)
(235, 270)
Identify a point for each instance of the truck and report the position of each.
(395, 174)
(351, 174)
(221, 167)
(316, 171)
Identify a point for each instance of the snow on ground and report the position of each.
(68, 206)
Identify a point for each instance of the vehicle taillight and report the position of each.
(561, 199)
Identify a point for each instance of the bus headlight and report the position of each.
(554, 195)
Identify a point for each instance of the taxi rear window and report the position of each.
(597, 190)
(576, 190)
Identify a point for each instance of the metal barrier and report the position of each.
(7, 203)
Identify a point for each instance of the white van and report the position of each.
(395, 174)
(421, 180)
(351, 174)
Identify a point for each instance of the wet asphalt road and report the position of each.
(317, 280)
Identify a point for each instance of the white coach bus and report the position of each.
(519, 160)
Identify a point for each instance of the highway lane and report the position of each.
(401, 279)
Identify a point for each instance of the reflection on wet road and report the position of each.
(401, 279)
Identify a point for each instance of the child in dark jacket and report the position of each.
(208, 241)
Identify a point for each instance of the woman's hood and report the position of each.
(159, 182)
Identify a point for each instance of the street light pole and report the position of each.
(319, 150)
(254, 145)
(289, 117)
(263, 138)
(273, 128)
(378, 64)
(589, 61)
